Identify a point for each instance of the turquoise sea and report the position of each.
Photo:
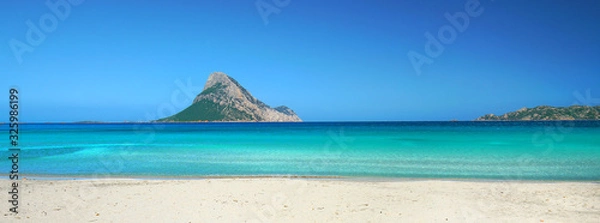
(460, 150)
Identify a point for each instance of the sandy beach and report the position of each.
(302, 200)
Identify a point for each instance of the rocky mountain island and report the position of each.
(547, 113)
(224, 99)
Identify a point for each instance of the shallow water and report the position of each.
(463, 150)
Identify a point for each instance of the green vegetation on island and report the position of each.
(547, 113)
(206, 110)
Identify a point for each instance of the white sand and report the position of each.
(301, 200)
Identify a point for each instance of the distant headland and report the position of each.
(547, 113)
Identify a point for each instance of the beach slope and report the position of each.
(302, 200)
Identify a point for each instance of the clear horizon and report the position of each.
(411, 60)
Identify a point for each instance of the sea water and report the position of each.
(565, 150)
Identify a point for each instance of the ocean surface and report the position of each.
(457, 150)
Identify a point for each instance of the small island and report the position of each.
(225, 100)
(547, 113)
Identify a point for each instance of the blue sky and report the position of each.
(328, 60)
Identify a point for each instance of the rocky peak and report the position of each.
(224, 99)
(217, 77)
